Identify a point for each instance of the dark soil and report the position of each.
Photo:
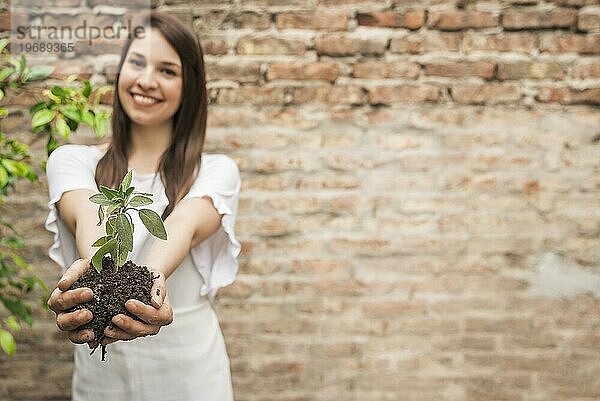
(112, 288)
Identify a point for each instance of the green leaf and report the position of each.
(51, 145)
(40, 72)
(3, 177)
(102, 240)
(3, 44)
(71, 112)
(126, 183)
(19, 261)
(101, 123)
(111, 194)
(42, 117)
(7, 342)
(100, 216)
(12, 323)
(110, 226)
(18, 308)
(15, 168)
(37, 107)
(1, 94)
(100, 199)
(88, 118)
(104, 249)
(6, 72)
(124, 232)
(62, 128)
(153, 223)
(113, 208)
(87, 89)
(122, 255)
(139, 200)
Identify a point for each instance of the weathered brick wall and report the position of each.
(420, 211)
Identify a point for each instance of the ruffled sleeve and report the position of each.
(69, 167)
(216, 257)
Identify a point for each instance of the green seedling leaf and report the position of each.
(126, 183)
(101, 241)
(113, 208)
(109, 193)
(7, 342)
(153, 223)
(124, 232)
(100, 216)
(108, 247)
(140, 200)
(110, 226)
(122, 255)
(100, 199)
(51, 145)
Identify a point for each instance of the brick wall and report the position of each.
(420, 210)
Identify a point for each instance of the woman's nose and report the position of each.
(146, 79)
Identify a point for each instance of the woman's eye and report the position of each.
(136, 62)
(169, 72)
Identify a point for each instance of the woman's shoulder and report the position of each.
(85, 154)
(218, 163)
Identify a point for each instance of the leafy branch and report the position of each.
(114, 206)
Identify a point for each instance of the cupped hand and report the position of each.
(62, 299)
(153, 316)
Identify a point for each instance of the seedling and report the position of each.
(114, 206)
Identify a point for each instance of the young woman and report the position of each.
(158, 129)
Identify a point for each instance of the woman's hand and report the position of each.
(62, 299)
(153, 316)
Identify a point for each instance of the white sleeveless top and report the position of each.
(187, 360)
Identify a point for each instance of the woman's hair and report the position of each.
(180, 163)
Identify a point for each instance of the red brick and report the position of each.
(589, 19)
(331, 94)
(251, 95)
(326, 20)
(269, 45)
(64, 68)
(411, 19)
(503, 42)
(404, 94)
(513, 18)
(566, 95)
(558, 42)
(488, 93)
(457, 20)
(378, 69)
(423, 42)
(389, 309)
(586, 69)
(482, 69)
(213, 45)
(240, 72)
(99, 46)
(302, 71)
(530, 70)
(343, 45)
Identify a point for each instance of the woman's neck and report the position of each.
(148, 145)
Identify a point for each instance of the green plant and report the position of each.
(119, 227)
(61, 114)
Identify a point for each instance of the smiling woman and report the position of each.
(158, 130)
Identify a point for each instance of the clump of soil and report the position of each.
(112, 287)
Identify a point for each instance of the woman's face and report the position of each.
(150, 83)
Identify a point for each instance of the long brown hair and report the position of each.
(180, 163)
